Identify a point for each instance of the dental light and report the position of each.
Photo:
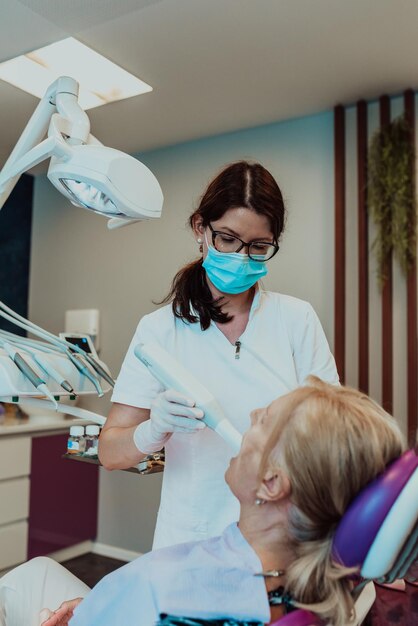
(89, 174)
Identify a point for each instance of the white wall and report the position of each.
(77, 263)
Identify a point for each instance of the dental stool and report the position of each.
(378, 534)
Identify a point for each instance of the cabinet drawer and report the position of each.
(14, 457)
(14, 498)
(13, 544)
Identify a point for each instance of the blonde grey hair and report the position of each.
(331, 441)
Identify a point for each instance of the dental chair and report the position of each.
(378, 534)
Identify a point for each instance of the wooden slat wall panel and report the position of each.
(387, 331)
(387, 297)
(339, 279)
(412, 375)
(363, 253)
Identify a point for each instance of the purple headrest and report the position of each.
(361, 523)
(298, 618)
(365, 515)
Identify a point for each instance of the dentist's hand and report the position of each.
(61, 616)
(170, 412)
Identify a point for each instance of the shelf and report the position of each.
(38, 425)
(154, 465)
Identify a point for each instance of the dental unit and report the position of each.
(32, 369)
(92, 176)
(77, 359)
(28, 345)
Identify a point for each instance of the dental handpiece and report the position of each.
(99, 369)
(77, 360)
(171, 374)
(52, 372)
(29, 372)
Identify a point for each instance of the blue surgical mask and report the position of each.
(232, 272)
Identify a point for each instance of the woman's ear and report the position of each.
(274, 487)
(198, 228)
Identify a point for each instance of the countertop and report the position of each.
(38, 424)
(55, 423)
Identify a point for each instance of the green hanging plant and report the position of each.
(391, 195)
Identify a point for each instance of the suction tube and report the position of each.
(172, 375)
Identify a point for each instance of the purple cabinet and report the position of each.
(63, 498)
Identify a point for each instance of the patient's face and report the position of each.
(242, 473)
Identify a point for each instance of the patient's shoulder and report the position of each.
(206, 561)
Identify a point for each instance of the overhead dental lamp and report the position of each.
(89, 174)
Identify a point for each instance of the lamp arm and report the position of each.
(79, 123)
(61, 95)
(33, 133)
(44, 150)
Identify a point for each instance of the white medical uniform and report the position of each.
(282, 344)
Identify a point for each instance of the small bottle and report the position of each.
(76, 442)
(92, 440)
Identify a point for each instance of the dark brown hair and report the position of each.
(240, 184)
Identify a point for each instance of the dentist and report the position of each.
(245, 344)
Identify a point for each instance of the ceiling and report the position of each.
(217, 65)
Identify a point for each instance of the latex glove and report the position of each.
(171, 412)
(61, 616)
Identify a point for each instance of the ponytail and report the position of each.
(191, 297)
(318, 582)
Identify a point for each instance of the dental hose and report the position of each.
(59, 343)
(41, 361)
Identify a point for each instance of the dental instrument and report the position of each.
(99, 369)
(59, 343)
(84, 341)
(28, 372)
(171, 374)
(53, 373)
(43, 363)
(56, 352)
(91, 175)
(77, 359)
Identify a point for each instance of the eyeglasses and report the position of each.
(256, 250)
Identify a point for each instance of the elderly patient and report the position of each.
(302, 461)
